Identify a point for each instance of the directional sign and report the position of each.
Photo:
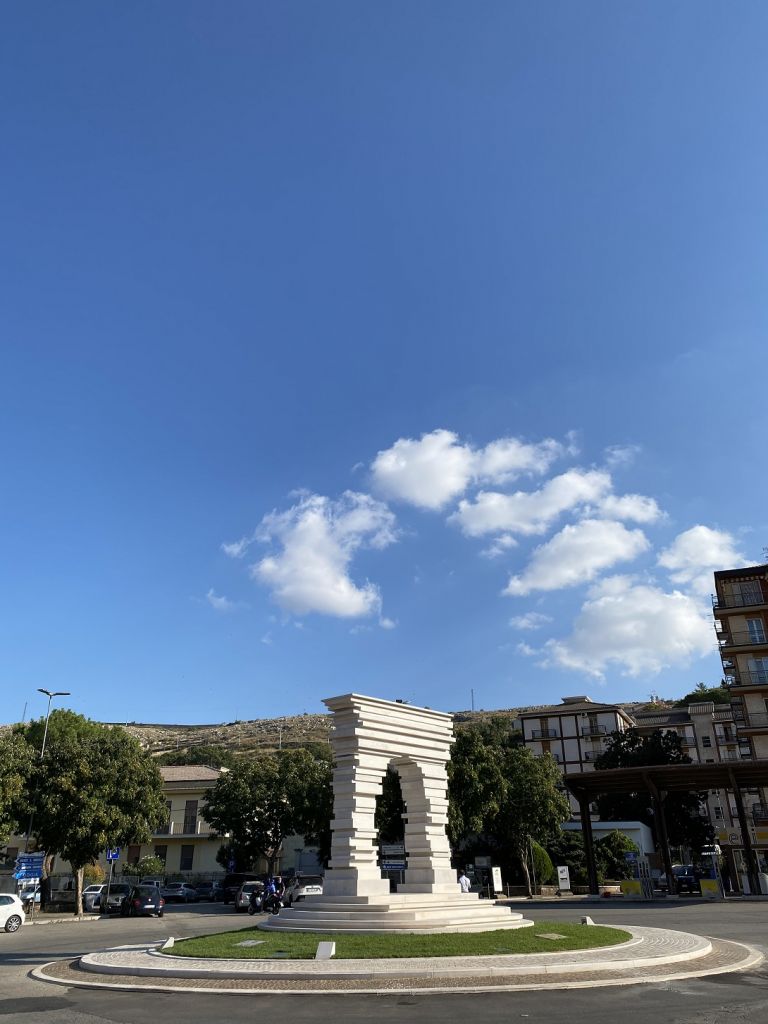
(113, 854)
(392, 865)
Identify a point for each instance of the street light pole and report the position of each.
(50, 695)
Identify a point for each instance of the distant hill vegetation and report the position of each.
(222, 745)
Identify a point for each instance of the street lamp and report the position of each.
(50, 694)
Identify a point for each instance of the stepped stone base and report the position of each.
(417, 912)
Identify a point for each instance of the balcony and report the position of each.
(594, 730)
(748, 677)
(759, 813)
(741, 638)
(753, 600)
(754, 720)
(545, 734)
(592, 755)
(725, 737)
(187, 827)
(730, 755)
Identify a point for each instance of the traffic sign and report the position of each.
(113, 854)
(393, 865)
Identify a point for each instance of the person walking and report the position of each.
(464, 882)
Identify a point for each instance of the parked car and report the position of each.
(243, 896)
(143, 901)
(29, 896)
(301, 886)
(232, 883)
(117, 893)
(179, 892)
(686, 879)
(209, 890)
(12, 915)
(92, 898)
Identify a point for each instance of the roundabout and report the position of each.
(648, 955)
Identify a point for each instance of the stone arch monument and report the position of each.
(368, 735)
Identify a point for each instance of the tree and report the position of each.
(609, 855)
(16, 760)
(533, 806)
(541, 864)
(261, 801)
(95, 788)
(566, 849)
(147, 866)
(390, 809)
(211, 754)
(476, 779)
(717, 694)
(686, 826)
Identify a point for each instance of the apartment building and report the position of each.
(574, 732)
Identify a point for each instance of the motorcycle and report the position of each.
(254, 903)
(272, 904)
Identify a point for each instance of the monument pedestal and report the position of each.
(406, 912)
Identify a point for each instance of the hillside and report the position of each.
(265, 734)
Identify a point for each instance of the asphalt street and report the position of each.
(724, 999)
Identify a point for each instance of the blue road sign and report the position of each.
(113, 854)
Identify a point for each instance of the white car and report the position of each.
(301, 886)
(92, 898)
(12, 915)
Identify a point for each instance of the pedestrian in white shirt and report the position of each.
(464, 882)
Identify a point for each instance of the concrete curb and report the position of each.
(751, 958)
(72, 919)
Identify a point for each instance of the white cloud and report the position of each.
(531, 512)
(437, 468)
(621, 454)
(531, 620)
(635, 626)
(237, 548)
(695, 554)
(219, 602)
(386, 623)
(499, 546)
(577, 554)
(636, 507)
(317, 539)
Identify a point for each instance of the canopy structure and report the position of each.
(658, 781)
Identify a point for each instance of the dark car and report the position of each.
(686, 879)
(143, 901)
(209, 890)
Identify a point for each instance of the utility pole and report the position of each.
(472, 691)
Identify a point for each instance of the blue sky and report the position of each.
(376, 347)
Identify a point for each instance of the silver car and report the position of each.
(243, 897)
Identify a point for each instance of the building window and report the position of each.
(719, 813)
(749, 592)
(187, 856)
(133, 855)
(162, 852)
(756, 631)
(706, 741)
(190, 817)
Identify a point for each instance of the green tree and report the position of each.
(609, 855)
(717, 694)
(390, 809)
(566, 849)
(533, 805)
(147, 866)
(263, 800)
(686, 825)
(95, 788)
(541, 864)
(213, 755)
(16, 761)
(476, 779)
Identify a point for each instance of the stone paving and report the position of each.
(651, 955)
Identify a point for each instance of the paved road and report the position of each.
(734, 999)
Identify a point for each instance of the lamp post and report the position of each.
(50, 694)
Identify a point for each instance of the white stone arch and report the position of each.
(368, 735)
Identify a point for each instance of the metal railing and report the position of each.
(726, 737)
(759, 812)
(755, 721)
(594, 730)
(741, 638)
(544, 734)
(738, 601)
(748, 677)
